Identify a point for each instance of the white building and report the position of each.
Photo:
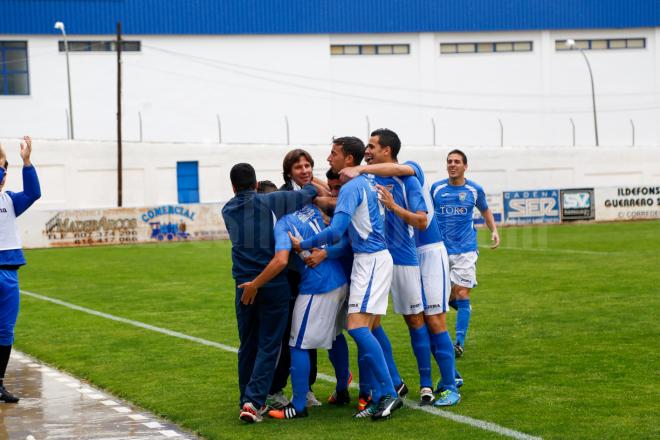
(469, 74)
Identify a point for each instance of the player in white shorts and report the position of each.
(455, 199)
(358, 211)
(315, 322)
(434, 275)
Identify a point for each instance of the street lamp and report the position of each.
(571, 44)
(60, 26)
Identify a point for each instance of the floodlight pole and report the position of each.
(59, 25)
(572, 45)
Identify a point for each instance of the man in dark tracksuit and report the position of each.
(262, 300)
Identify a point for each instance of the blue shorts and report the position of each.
(9, 301)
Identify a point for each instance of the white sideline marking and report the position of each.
(169, 433)
(137, 417)
(476, 423)
(559, 251)
(109, 402)
(153, 425)
(122, 409)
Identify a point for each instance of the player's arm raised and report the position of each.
(416, 219)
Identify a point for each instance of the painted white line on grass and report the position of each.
(559, 251)
(476, 423)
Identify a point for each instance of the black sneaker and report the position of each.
(426, 396)
(458, 350)
(339, 398)
(386, 407)
(6, 396)
(401, 390)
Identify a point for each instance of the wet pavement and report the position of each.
(55, 405)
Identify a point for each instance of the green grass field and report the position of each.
(563, 343)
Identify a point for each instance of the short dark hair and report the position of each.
(6, 164)
(290, 159)
(351, 146)
(331, 175)
(266, 186)
(388, 138)
(460, 153)
(243, 177)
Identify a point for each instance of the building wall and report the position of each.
(76, 175)
(181, 84)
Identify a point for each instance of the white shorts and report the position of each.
(463, 269)
(407, 290)
(314, 319)
(371, 278)
(436, 286)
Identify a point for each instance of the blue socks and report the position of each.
(366, 378)
(443, 352)
(299, 377)
(373, 356)
(421, 345)
(338, 355)
(462, 320)
(386, 346)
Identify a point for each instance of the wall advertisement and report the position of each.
(495, 205)
(91, 227)
(628, 203)
(577, 204)
(533, 206)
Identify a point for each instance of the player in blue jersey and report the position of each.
(433, 264)
(455, 199)
(12, 204)
(359, 211)
(321, 299)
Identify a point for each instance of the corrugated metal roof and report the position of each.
(320, 16)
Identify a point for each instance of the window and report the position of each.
(187, 181)
(370, 49)
(100, 46)
(14, 77)
(486, 47)
(604, 44)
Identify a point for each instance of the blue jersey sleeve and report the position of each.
(30, 194)
(481, 203)
(286, 202)
(349, 198)
(414, 195)
(331, 234)
(282, 240)
(419, 173)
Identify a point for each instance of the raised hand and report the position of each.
(26, 150)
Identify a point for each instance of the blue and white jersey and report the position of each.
(454, 206)
(359, 199)
(431, 234)
(303, 224)
(407, 193)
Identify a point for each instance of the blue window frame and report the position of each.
(187, 181)
(14, 77)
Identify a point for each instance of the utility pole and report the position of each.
(119, 152)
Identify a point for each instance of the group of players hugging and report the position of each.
(316, 258)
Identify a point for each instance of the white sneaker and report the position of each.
(312, 400)
(277, 400)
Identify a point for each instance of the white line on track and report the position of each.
(476, 423)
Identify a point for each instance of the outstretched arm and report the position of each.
(274, 267)
(379, 169)
(329, 235)
(31, 189)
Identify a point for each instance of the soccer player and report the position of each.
(323, 290)
(434, 268)
(359, 212)
(12, 204)
(408, 212)
(262, 291)
(454, 199)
